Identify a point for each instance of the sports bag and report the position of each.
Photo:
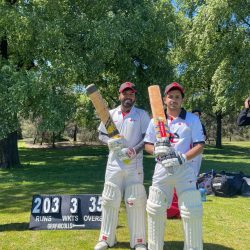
(204, 180)
(227, 184)
(245, 188)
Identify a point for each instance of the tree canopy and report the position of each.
(50, 49)
(213, 54)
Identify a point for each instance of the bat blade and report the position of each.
(158, 113)
(102, 110)
(103, 113)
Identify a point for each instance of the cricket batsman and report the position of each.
(124, 172)
(173, 170)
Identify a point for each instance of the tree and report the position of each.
(213, 55)
(48, 47)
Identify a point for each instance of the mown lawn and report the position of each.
(81, 170)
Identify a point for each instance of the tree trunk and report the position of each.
(43, 135)
(34, 141)
(75, 133)
(53, 140)
(218, 130)
(9, 156)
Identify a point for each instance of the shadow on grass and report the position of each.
(173, 245)
(228, 150)
(64, 152)
(230, 158)
(80, 170)
(14, 227)
(71, 171)
(218, 166)
(176, 245)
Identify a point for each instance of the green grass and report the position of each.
(81, 170)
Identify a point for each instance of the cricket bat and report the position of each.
(103, 113)
(160, 121)
(102, 110)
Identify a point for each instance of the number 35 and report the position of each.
(95, 204)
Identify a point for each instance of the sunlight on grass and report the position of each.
(21, 144)
(223, 159)
(78, 158)
(242, 144)
(37, 163)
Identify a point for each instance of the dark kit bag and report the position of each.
(227, 184)
(245, 188)
(204, 180)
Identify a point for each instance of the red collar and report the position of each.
(125, 113)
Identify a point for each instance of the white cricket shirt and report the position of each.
(186, 130)
(132, 126)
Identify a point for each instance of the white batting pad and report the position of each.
(135, 200)
(156, 208)
(111, 199)
(191, 212)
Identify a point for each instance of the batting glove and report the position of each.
(116, 144)
(127, 154)
(130, 152)
(161, 147)
(122, 155)
(172, 159)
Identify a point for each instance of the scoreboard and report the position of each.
(66, 212)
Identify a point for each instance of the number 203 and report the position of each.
(46, 205)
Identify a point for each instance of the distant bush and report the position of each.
(86, 135)
(28, 129)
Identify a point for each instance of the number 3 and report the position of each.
(55, 205)
(73, 205)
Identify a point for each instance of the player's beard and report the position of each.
(127, 103)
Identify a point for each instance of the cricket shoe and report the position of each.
(140, 247)
(101, 245)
